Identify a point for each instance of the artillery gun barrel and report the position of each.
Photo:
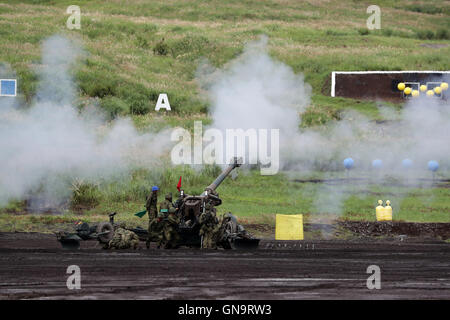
(236, 162)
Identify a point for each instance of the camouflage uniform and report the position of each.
(151, 204)
(171, 229)
(209, 227)
(123, 239)
(152, 210)
(166, 205)
(179, 201)
(156, 230)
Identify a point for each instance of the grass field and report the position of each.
(256, 199)
(138, 49)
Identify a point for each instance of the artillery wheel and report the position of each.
(226, 241)
(105, 227)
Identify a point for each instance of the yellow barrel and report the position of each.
(388, 211)
(423, 88)
(379, 210)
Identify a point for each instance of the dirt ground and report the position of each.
(350, 230)
(33, 266)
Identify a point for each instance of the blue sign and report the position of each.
(8, 87)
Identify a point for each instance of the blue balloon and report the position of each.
(348, 163)
(433, 165)
(407, 163)
(377, 163)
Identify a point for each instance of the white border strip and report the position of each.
(333, 82)
(333, 75)
(15, 88)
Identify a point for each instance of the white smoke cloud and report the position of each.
(51, 142)
(256, 91)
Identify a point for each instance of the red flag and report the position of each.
(179, 185)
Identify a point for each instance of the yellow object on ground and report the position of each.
(437, 90)
(444, 85)
(415, 93)
(407, 90)
(289, 227)
(430, 93)
(380, 210)
(388, 211)
(423, 88)
(401, 86)
(384, 213)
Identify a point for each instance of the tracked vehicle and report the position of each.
(230, 233)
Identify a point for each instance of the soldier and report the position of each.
(208, 227)
(166, 205)
(151, 205)
(179, 201)
(156, 231)
(123, 239)
(171, 229)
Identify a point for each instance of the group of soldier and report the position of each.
(163, 226)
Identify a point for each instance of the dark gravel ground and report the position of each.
(33, 266)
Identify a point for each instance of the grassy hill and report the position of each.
(137, 49)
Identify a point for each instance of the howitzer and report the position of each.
(189, 209)
(236, 162)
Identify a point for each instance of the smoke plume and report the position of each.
(52, 142)
(257, 91)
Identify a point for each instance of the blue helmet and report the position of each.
(155, 188)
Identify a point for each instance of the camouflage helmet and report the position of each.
(121, 225)
(160, 215)
(169, 196)
(172, 210)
